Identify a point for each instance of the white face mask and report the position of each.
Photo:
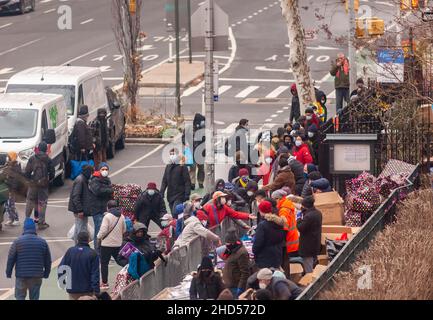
(268, 160)
(223, 200)
(262, 285)
(164, 223)
(197, 205)
(310, 134)
(173, 158)
(308, 117)
(204, 223)
(151, 192)
(104, 173)
(229, 203)
(298, 143)
(250, 193)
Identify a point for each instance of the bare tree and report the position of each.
(127, 32)
(298, 52)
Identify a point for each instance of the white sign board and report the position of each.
(352, 157)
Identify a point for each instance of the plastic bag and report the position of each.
(333, 247)
(71, 232)
(189, 160)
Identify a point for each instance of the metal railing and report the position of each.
(382, 216)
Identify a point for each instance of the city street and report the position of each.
(254, 83)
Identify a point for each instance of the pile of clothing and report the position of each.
(126, 196)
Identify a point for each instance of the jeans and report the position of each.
(309, 263)
(80, 225)
(97, 221)
(340, 95)
(11, 208)
(37, 199)
(106, 254)
(33, 285)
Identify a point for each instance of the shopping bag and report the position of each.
(189, 159)
(76, 167)
(71, 232)
(127, 250)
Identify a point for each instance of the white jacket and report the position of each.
(194, 228)
(115, 238)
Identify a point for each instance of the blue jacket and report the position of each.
(84, 264)
(30, 255)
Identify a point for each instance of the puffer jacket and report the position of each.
(148, 207)
(303, 154)
(14, 178)
(113, 228)
(194, 228)
(284, 178)
(101, 191)
(310, 229)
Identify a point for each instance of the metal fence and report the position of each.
(377, 222)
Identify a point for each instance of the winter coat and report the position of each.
(30, 255)
(13, 176)
(284, 289)
(101, 191)
(81, 136)
(192, 136)
(303, 154)
(100, 134)
(84, 264)
(310, 229)
(296, 108)
(40, 160)
(267, 244)
(221, 214)
(314, 120)
(322, 184)
(177, 182)
(144, 246)
(193, 229)
(298, 171)
(341, 79)
(80, 198)
(306, 190)
(148, 207)
(286, 210)
(208, 289)
(284, 178)
(237, 268)
(113, 228)
(234, 171)
(208, 196)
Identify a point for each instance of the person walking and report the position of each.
(83, 265)
(30, 256)
(14, 181)
(110, 235)
(101, 191)
(206, 284)
(80, 200)
(81, 140)
(309, 224)
(176, 181)
(100, 137)
(40, 171)
(340, 71)
(150, 206)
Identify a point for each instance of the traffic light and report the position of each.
(369, 27)
(132, 6)
(409, 4)
(356, 5)
(360, 28)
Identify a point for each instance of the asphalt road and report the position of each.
(257, 68)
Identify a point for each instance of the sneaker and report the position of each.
(104, 286)
(9, 223)
(42, 226)
(16, 223)
(201, 186)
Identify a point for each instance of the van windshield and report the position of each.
(18, 123)
(68, 92)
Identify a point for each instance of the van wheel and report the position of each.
(120, 144)
(111, 151)
(60, 180)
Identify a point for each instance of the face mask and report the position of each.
(310, 134)
(104, 173)
(204, 223)
(250, 193)
(229, 203)
(298, 143)
(308, 117)
(197, 205)
(220, 188)
(223, 201)
(164, 223)
(262, 285)
(173, 158)
(151, 192)
(268, 160)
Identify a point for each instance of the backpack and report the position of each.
(138, 265)
(39, 175)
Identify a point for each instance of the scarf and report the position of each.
(345, 68)
(243, 181)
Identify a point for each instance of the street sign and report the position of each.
(221, 28)
(170, 15)
(390, 68)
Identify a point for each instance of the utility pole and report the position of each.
(178, 102)
(209, 97)
(189, 31)
(352, 49)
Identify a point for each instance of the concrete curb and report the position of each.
(183, 85)
(154, 140)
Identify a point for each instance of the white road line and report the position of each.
(249, 17)
(244, 93)
(6, 25)
(51, 10)
(268, 120)
(87, 21)
(145, 167)
(277, 92)
(46, 1)
(256, 80)
(239, 22)
(231, 128)
(2, 90)
(245, 19)
(331, 95)
(255, 13)
(385, 3)
(19, 47)
(274, 115)
(285, 108)
(280, 111)
(265, 8)
(234, 24)
(88, 53)
(189, 91)
(223, 89)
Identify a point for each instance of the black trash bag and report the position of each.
(333, 247)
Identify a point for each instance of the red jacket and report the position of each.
(303, 154)
(222, 213)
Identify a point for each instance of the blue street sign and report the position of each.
(390, 56)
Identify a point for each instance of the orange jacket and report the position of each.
(286, 210)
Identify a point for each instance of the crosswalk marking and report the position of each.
(331, 95)
(223, 89)
(244, 93)
(231, 128)
(2, 90)
(277, 92)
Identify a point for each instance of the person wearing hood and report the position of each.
(176, 181)
(101, 191)
(83, 262)
(194, 137)
(296, 107)
(311, 117)
(150, 205)
(206, 284)
(217, 210)
(14, 180)
(301, 151)
(234, 198)
(241, 163)
(313, 142)
(196, 226)
(321, 185)
(40, 171)
(80, 200)
(307, 190)
(168, 232)
(250, 197)
(269, 238)
(241, 181)
(239, 140)
(100, 137)
(284, 177)
(298, 171)
(81, 140)
(110, 235)
(30, 256)
(282, 152)
(237, 264)
(219, 186)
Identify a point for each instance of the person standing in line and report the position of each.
(31, 257)
(206, 284)
(13, 179)
(340, 70)
(101, 192)
(81, 137)
(40, 171)
(295, 113)
(176, 181)
(83, 263)
(150, 206)
(110, 235)
(80, 200)
(100, 137)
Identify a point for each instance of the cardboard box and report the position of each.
(296, 271)
(333, 232)
(310, 277)
(323, 259)
(332, 207)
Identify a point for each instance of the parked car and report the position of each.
(20, 6)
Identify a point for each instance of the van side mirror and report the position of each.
(50, 136)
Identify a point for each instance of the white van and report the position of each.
(26, 119)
